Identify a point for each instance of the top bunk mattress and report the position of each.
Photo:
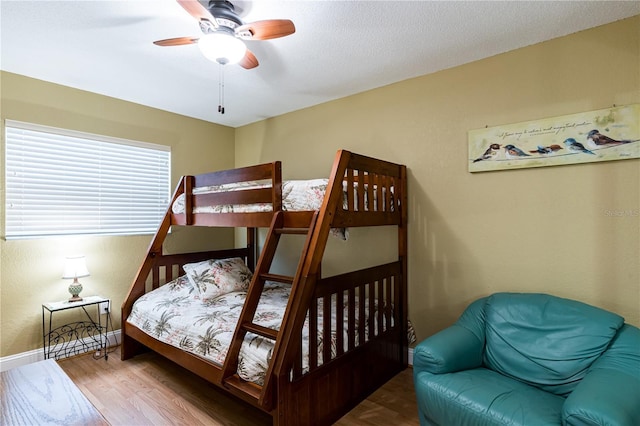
(297, 195)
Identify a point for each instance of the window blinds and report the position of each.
(60, 182)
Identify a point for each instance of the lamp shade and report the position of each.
(222, 48)
(75, 267)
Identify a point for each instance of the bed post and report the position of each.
(251, 247)
(402, 254)
(129, 346)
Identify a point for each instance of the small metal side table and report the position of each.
(76, 337)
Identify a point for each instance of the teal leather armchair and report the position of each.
(530, 359)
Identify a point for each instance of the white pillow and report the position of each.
(213, 278)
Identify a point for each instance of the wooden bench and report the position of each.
(42, 394)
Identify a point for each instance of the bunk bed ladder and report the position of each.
(229, 377)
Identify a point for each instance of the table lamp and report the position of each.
(75, 267)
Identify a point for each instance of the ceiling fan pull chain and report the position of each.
(222, 67)
(221, 90)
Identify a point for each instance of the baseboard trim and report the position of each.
(24, 358)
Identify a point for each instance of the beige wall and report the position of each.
(530, 230)
(31, 269)
(540, 230)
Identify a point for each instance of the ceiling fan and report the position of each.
(224, 31)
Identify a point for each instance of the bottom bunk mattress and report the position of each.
(198, 312)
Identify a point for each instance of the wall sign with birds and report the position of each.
(602, 135)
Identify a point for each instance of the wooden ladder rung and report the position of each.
(260, 330)
(292, 231)
(246, 388)
(285, 279)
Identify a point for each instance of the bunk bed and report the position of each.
(339, 338)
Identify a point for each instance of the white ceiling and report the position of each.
(339, 47)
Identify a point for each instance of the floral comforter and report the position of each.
(297, 195)
(177, 314)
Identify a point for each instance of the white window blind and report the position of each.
(61, 182)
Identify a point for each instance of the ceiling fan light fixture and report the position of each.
(222, 48)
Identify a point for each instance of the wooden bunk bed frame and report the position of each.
(365, 358)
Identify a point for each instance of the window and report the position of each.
(61, 182)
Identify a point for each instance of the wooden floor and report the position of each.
(150, 390)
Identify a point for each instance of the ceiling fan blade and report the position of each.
(197, 10)
(249, 61)
(265, 30)
(178, 41)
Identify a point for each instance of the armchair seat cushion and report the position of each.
(484, 397)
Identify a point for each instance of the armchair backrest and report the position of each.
(544, 340)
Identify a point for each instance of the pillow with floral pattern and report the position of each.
(215, 277)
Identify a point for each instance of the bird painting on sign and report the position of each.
(544, 150)
(588, 137)
(598, 140)
(575, 146)
(514, 152)
(490, 153)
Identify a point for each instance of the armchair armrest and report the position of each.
(453, 349)
(603, 398)
(608, 393)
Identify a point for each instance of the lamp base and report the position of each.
(75, 288)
